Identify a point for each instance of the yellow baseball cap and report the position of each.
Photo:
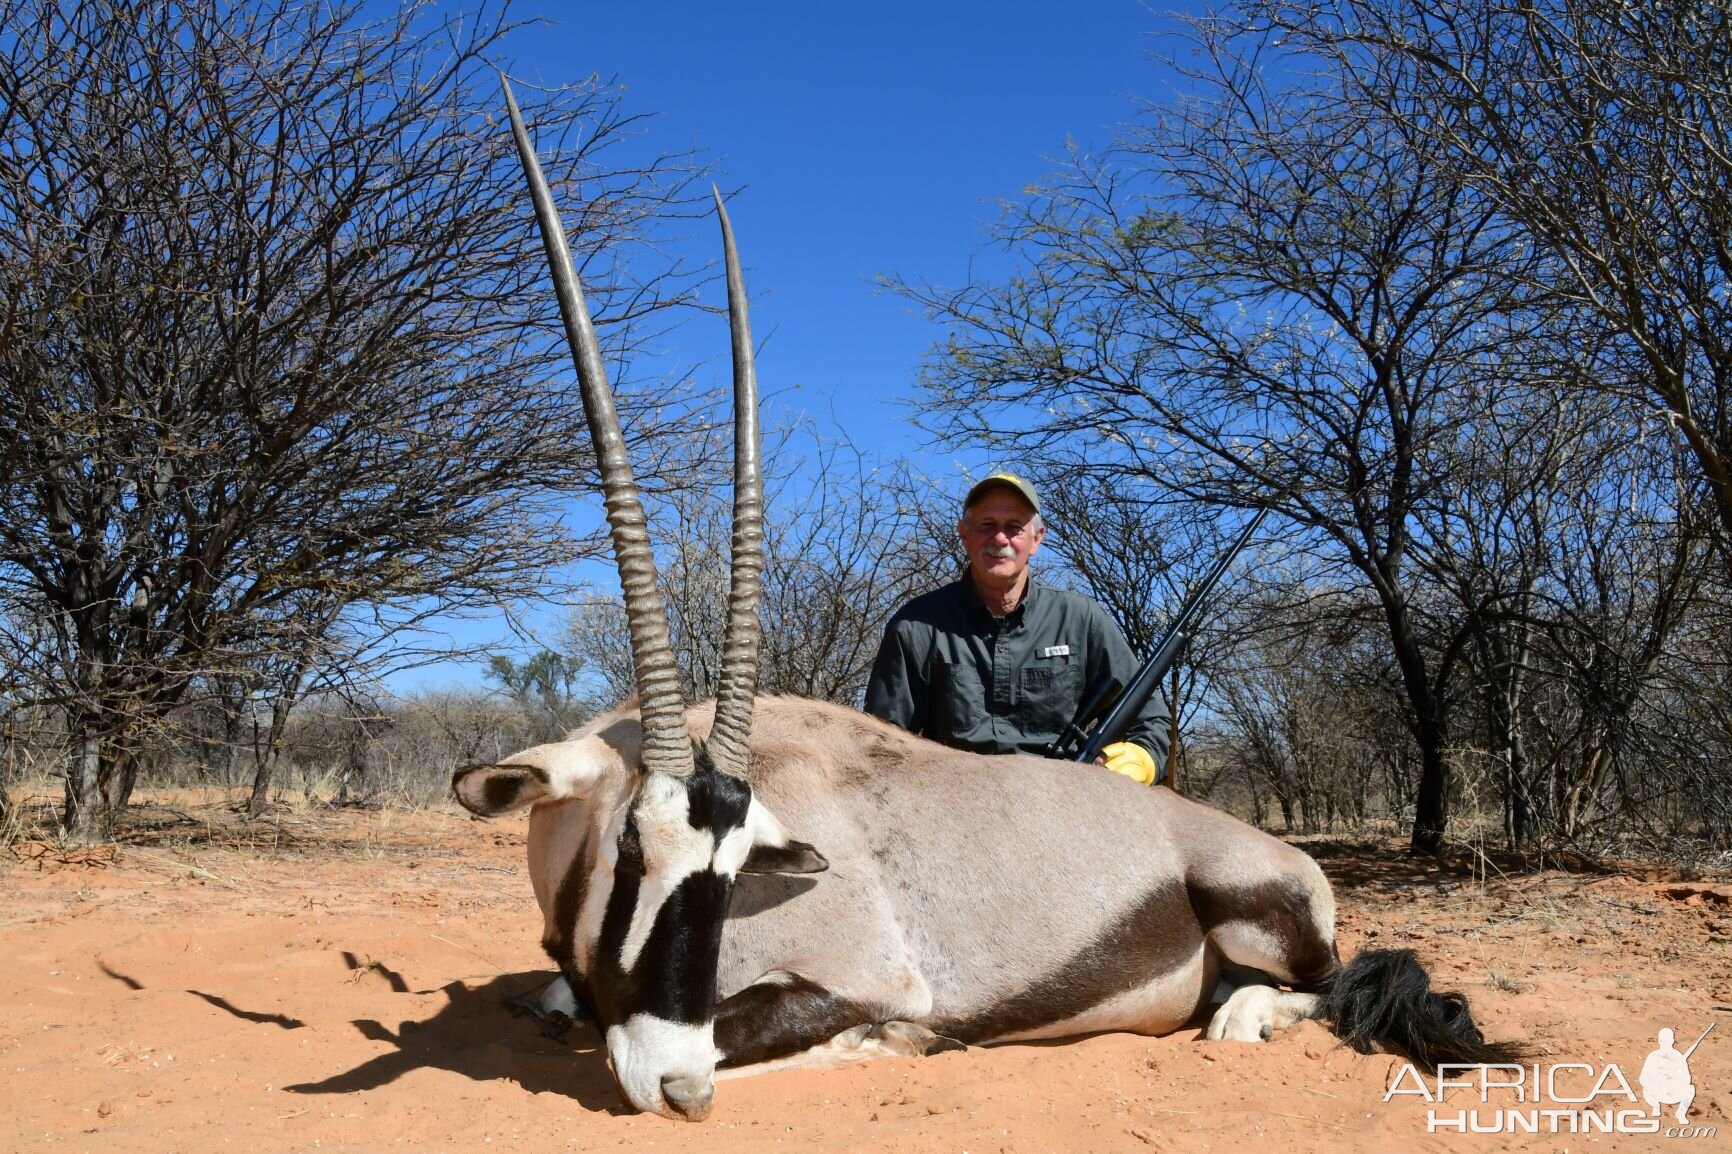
(1004, 480)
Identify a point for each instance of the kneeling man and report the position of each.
(996, 662)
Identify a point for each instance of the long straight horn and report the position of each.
(738, 682)
(667, 746)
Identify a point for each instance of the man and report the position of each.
(996, 662)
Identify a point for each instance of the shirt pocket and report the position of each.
(1047, 697)
(958, 702)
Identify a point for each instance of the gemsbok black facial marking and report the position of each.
(677, 857)
(559, 940)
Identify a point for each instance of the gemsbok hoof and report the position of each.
(1254, 1013)
(910, 1040)
(555, 1008)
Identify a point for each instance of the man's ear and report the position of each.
(794, 858)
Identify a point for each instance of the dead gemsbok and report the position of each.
(934, 898)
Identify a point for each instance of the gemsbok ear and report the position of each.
(794, 858)
(491, 790)
(553, 772)
(773, 851)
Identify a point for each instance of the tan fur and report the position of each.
(956, 880)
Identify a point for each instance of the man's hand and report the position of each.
(1130, 759)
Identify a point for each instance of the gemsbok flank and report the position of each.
(934, 898)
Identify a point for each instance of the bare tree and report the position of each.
(846, 543)
(1263, 297)
(1602, 130)
(269, 333)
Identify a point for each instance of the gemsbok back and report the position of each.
(932, 899)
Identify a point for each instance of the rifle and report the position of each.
(1122, 708)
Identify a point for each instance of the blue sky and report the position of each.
(864, 140)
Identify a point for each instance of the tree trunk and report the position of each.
(1519, 819)
(265, 761)
(1428, 722)
(1258, 811)
(231, 740)
(1431, 799)
(8, 746)
(264, 773)
(87, 818)
(123, 776)
(264, 768)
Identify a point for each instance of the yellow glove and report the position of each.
(1130, 759)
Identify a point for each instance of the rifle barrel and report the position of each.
(1136, 695)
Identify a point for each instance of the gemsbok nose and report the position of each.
(689, 1096)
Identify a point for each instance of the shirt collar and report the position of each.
(977, 608)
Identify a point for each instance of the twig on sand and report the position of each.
(499, 969)
(165, 862)
(1303, 1118)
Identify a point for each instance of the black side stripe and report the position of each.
(560, 942)
(1159, 935)
(1282, 908)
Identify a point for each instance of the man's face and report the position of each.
(999, 536)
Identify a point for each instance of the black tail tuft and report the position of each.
(1384, 998)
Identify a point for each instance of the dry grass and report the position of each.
(1500, 979)
(176, 832)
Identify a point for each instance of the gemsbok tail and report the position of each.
(1383, 998)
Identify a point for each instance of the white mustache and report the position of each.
(999, 551)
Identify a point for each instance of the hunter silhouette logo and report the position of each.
(1559, 1097)
(1665, 1077)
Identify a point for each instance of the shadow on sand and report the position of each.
(476, 1035)
(228, 1007)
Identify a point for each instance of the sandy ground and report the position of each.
(334, 980)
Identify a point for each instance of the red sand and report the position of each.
(341, 991)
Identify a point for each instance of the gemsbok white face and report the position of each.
(641, 904)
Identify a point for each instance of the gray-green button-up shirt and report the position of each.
(948, 670)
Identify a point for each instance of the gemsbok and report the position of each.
(760, 878)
